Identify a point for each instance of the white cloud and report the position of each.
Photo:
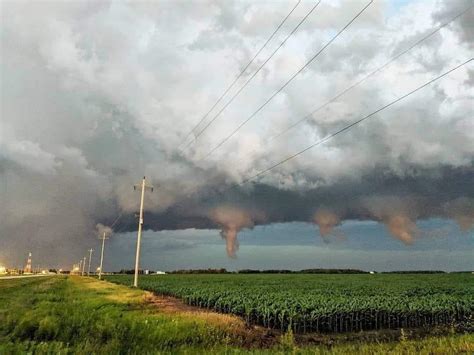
(101, 93)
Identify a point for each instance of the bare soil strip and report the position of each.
(248, 336)
(252, 336)
(240, 333)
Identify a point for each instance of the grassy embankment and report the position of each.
(74, 315)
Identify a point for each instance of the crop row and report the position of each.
(308, 304)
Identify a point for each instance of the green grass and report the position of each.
(72, 315)
(59, 313)
(325, 303)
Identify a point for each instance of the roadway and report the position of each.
(24, 276)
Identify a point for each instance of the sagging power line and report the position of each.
(253, 75)
(242, 72)
(346, 128)
(221, 143)
(365, 77)
(116, 220)
(360, 81)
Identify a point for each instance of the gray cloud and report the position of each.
(96, 95)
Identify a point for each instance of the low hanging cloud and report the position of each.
(401, 227)
(97, 94)
(399, 214)
(103, 230)
(462, 211)
(231, 221)
(326, 220)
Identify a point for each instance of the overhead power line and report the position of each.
(288, 81)
(346, 128)
(367, 76)
(357, 83)
(242, 72)
(116, 220)
(253, 75)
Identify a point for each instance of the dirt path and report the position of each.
(246, 335)
(251, 336)
(239, 332)
(24, 276)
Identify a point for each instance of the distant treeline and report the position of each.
(201, 271)
(132, 271)
(305, 271)
(284, 271)
(415, 272)
(271, 271)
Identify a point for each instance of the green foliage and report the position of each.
(287, 341)
(60, 315)
(54, 314)
(325, 303)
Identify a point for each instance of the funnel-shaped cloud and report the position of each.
(231, 220)
(114, 106)
(326, 220)
(465, 222)
(398, 214)
(462, 211)
(401, 227)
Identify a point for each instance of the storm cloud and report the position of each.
(94, 95)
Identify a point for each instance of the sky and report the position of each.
(96, 95)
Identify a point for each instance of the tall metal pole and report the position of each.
(80, 267)
(90, 257)
(140, 224)
(83, 266)
(102, 256)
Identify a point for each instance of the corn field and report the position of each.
(325, 303)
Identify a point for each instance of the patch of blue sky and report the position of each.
(367, 245)
(395, 6)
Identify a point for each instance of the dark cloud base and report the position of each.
(444, 192)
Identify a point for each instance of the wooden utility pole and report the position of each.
(102, 255)
(143, 187)
(89, 267)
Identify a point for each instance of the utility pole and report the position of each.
(83, 266)
(143, 187)
(102, 256)
(80, 267)
(90, 257)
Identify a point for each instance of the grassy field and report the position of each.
(83, 315)
(325, 303)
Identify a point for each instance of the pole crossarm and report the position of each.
(147, 187)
